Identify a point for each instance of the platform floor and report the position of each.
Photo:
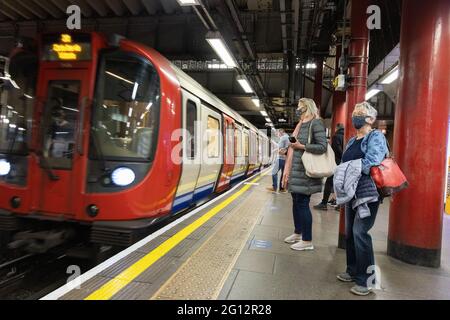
(233, 249)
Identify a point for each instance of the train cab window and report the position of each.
(213, 137)
(17, 97)
(126, 112)
(191, 118)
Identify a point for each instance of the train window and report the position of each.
(16, 104)
(191, 118)
(238, 137)
(213, 137)
(230, 142)
(126, 114)
(59, 122)
(246, 144)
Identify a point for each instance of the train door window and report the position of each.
(238, 141)
(230, 142)
(191, 118)
(213, 137)
(125, 118)
(246, 144)
(60, 122)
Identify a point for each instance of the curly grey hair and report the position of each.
(365, 109)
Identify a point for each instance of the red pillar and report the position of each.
(420, 134)
(318, 86)
(358, 68)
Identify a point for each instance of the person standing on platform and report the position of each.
(300, 185)
(283, 146)
(367, 149)
(337, 144)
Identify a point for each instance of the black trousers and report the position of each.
(328, 190)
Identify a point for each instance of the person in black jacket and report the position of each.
(337, 144)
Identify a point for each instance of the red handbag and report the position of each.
(388, 176)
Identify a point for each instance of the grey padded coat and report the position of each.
(299, 182)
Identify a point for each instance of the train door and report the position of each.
(246, 142)
(239, 159)
(228, 151)
(191, 154)
(61, 140)
(211, 153)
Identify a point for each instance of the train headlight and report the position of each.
(5, 167)
(123, 176)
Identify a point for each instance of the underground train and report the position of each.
(107, 135)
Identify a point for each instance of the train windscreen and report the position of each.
(17, 100)
(126, 112)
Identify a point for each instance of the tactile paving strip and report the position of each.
(204, 273)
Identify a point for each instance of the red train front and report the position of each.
(86, 136)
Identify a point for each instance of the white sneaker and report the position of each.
(302, 246)
(293, 238)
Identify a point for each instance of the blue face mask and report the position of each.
(359, 122)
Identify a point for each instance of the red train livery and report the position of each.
(87, 140)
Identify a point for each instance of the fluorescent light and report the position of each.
(372, 93)
(135, 88)
(188, 2)
(256, 101)
(218, 44)
(391, 76)
(282, 120)
(311, 66)
(244, 84)
(264, 113)
(268, 120)
(118, 77)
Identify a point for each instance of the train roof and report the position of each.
(196, 88)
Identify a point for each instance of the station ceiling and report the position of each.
(266, 36)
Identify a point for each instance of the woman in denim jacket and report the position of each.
(370, 146)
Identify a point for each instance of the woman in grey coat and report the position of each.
(299, 184)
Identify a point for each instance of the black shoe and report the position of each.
(321, 206)
(332, 202)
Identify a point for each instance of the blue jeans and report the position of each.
(302, 215)
(359, 243)
(276, 168)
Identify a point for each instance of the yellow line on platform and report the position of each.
(125, 277)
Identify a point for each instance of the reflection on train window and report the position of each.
(230, 142)
(238, 136)
(126, 116)
(213, 136)
(191, 118)
(60, 122)
(246, 143)
(17, 100)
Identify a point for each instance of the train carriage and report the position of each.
(110, 136)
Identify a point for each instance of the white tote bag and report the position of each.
(319, 165)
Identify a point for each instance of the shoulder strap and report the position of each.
(310, 131)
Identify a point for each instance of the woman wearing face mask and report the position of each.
(299, 184)
(367, 149)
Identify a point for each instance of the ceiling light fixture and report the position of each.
(391, 76)
(244, 84)
(216, 42)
